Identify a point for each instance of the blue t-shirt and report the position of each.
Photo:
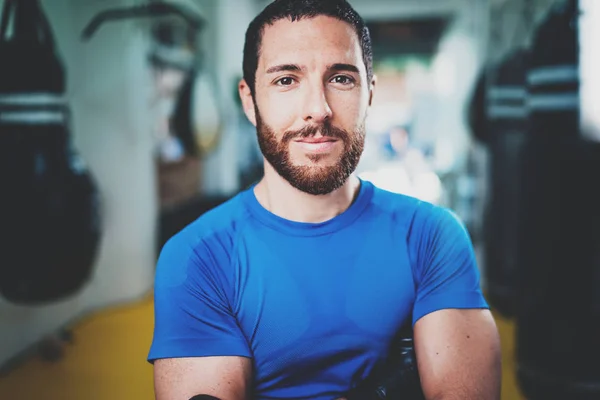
(314, 305)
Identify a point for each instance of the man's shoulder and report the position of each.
(415, 213)
(400, 207)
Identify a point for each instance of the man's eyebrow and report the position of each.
(284, 67)
(343, 67)
(296, 68)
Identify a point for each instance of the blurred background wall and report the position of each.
(156, 118)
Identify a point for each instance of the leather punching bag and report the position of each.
(197, 118)
(558, 318)
(49, 211)
(507, 131)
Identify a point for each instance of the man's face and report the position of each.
(311, 100)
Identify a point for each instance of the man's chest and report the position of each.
(319, 311)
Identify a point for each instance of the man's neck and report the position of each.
(282, 199)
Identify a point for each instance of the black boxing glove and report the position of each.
(396, 379)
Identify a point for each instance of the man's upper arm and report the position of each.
(458, 355)
(226, 378)
(198, 346)
(456, 339)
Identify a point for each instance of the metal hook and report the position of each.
(154, 9)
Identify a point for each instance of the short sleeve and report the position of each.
(445, 268)
(192, 317)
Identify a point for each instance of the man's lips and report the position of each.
(317, 144)
(317, 140)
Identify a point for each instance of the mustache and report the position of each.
(327, 130)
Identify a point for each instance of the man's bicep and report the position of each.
(458, 355)
(226, 378)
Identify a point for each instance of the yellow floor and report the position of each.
(107, 361)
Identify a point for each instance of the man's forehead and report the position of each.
(334, 41)
(321, 26)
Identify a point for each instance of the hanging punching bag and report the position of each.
(507, 130)
(49, 208)
(197, 118)
(558, 319)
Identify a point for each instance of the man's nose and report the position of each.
(316, 108)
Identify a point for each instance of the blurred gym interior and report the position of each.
(120, 124)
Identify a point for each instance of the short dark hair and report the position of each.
(296, 10)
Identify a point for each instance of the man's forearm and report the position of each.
(466, 393)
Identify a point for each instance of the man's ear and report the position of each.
(371, 89)
(247, 101)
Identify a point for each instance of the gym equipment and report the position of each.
(197, 120)
(558, 318)
(151, 9)
(49, 208)
(193, 115)
(397, 377)
(506, 131)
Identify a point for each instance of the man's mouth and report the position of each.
(317, 139)
(317, 144)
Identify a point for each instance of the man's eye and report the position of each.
(343, 80)
(285, 81)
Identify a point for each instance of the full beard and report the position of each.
(311, 179)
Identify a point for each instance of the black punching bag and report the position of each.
(558, 318)
(49, 229)
(506, 129)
